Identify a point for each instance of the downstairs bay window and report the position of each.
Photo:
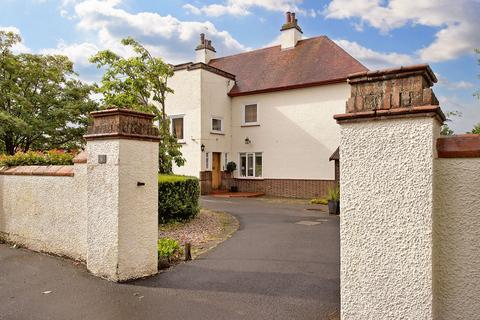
(251, 164)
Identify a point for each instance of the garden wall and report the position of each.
(456, 228)
(44, 208)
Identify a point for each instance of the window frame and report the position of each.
(254, 155)
(178, 116)
(208, 161)
(222, 125)
(247, 124)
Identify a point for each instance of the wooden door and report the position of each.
(216, 173)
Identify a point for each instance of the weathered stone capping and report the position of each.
(55, 171)
(123, 124)
(403, 87)
(459, 146)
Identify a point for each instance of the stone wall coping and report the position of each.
(111, 111)
(394, 112)
(55, 171)
(459, 146)
(81, 157)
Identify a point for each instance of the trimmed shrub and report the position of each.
(37, 158)
(177, 198)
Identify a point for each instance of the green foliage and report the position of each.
(231, 166)
(167, 247)
(319, 201)
(476, 129)
(42, 106)
(32, 158)
(140, 83)
(446, 130)
(177, 198)
(333, 194)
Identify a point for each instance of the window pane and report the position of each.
(178, 128)
(250, 165)
(258, 164)
(216, 124)
(243, 165)
(251, 113)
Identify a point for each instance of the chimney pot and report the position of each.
(293, 17)
(288, 17)
(202, 38)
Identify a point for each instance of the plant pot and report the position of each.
(333, 207)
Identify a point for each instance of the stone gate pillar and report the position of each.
(387, 156)
(122, 169)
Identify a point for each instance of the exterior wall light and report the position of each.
(202, 147)
(247, 140)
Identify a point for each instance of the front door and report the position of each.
(216, 174)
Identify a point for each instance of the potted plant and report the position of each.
(333, 197)
(229, 168)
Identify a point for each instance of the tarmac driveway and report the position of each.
(283, 263)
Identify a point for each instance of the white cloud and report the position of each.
(166, 36)
(242, 7)
(77, 52)
(19, 47)
(444, 82)
(374, 59)
(458, 22)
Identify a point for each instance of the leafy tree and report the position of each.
(140, 83)
(476, 129)
(446, 130)
(41, 105)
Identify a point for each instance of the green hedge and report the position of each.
(177, 198)
(37, 158)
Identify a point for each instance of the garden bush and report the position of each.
(37, 158)
(168, 247)
(177, 198)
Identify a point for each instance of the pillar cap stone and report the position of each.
(119, 123)
(395, 92)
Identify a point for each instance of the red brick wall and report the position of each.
(290, 188)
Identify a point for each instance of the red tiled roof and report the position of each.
(312, 62)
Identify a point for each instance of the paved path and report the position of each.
(272, 268)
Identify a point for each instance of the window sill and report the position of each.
(250, 125)
(218, 132)
(250, 178)
(181, 141)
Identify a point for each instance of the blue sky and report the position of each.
(379, 33)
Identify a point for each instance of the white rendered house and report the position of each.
(269, 110)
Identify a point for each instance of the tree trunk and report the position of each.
(9, 145)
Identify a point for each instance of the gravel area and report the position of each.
(204, 232)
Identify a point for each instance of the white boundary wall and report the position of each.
(46, 213)
(456, 236)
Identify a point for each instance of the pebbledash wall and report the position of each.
(103, 210)
(45, 208)
(410, 203)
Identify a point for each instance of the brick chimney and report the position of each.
(291, 32)
(204, 51)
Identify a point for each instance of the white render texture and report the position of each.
(46, 213)
(296, 133)
(289, 38)
(456, 239)
(123, 217)
(386, 218)
(204, 55)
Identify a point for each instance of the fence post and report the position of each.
(122, 169)
(387, 165)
